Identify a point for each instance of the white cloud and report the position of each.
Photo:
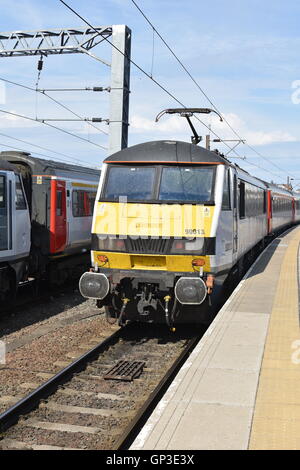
(8, 121)
(264, 138)
(140, 124)
(252, 136)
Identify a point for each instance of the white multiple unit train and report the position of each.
(14, 227)
(45, 219)
(172, 222)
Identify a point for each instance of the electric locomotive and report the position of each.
(172, 223)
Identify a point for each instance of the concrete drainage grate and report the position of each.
(125, 370)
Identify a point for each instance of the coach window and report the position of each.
(89, 199)
(235, 193)
(265, 202)
(3, 216)
(91, 202)
(59, 203)
(83, 203)
(19, 195)
(226, 203)
(242, 199)
(77, 203)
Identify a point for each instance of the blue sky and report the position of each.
(244, 54)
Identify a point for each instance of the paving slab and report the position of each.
(212, 401)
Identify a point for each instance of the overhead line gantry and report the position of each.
(82, 40)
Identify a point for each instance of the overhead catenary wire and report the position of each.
(130, 60)
(248, 162)
(54, 127)
(44, 155)
(42, 92)
(200, 88)
(60, 154)
(265, 158)
(153, 79)
(140, 69)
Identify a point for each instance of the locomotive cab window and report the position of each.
(163, 183)
(135, 183)
(186, 184)
(19, 195)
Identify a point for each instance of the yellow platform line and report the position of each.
(276, 420)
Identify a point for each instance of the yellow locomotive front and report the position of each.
(152, 234)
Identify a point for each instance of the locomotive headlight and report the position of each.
(111, 244)
(186, 246)
(94, 285)
(190, 290)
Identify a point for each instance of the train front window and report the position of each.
(187, 184)
(19, 195)
(136, 183)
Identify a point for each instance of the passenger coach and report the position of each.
(47, 209)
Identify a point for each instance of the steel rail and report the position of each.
(11, 416)
(139, 420)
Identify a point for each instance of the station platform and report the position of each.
(240, 388)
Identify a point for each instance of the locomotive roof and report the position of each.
(41, 166)
(166, 151)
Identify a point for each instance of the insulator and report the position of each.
(40, 64)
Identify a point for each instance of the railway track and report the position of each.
(80, 408)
